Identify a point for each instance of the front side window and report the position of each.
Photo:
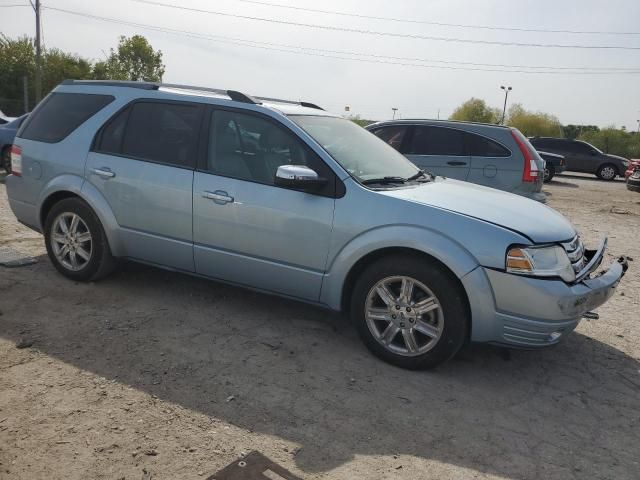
(394, 136)
(361, 154)
(160, 132)
(483, 147)
(437, 141)
(249, 147)
(60, 114)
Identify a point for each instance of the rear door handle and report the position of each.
(218, 196)
(103, 172)
(456, 163)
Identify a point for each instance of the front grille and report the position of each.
(575, 251)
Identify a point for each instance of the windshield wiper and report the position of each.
(384, 180)
(420, 173)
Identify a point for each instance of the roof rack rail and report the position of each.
(114, 83)
(292, 102)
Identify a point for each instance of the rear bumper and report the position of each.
(26, 214)
(633, 184)
(533, 312)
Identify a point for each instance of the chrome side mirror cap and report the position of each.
(298, 176)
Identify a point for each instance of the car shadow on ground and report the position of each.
(588, 177)
(301, 374)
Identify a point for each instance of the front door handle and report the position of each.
(456, 163)
(103, 172)
(218, 196)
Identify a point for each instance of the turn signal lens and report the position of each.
(518, 260)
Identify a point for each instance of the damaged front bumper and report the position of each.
(534, 312)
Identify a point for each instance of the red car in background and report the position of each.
(633, 164)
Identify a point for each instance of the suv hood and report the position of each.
(530, 218)
(615, 157)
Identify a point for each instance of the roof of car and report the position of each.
(436, 121)
(287, 107)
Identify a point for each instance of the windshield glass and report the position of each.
(361, 153)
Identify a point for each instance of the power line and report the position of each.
(387, 34)
(329, 53)
(427, 22)
(15, 5)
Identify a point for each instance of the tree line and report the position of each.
(617, 141)
(132, 59)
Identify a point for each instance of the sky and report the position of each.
(273, 58)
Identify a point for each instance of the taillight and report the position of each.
(16, 161)
(531, 171)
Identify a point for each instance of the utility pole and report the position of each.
(506, 94)
(38, 85)
(394, 112)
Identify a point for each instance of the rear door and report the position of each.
(142, 162)
(493, 164)
(439, 150)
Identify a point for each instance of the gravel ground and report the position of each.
(152, 371)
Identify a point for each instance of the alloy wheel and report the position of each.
(71, 241)
(608, 173)
(404, 316)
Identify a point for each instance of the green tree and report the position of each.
(134, 59)
(17, 60)
(534, 123)
(58, 66)
(615, 141)
(574, 131)
(476, 110)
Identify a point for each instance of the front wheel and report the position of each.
(607, 172)
(410, 311)
(76, 242)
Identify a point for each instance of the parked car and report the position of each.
(4, 119)
(491, 155)
(317, 209)
(633, 180)
(7, 133)
(633, 164)
(583, 157)
(553, 164)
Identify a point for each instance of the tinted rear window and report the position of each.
(60, 114)
(437, 141)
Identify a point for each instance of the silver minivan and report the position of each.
(286, 198)
(492, 155)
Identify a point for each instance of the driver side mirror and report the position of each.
(299, 177)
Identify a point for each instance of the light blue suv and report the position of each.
(286, 198)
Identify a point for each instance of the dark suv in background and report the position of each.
(582, 157)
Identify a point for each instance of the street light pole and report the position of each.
(506, 95)
(394, 112)
(38, 82)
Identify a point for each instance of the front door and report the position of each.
(439, 150)
(143, 163)
(249, 231)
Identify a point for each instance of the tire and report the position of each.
(607, 172)
(436, 291)
(5, 159)
(93, 259)
(549, 173)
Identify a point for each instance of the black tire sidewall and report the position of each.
(552, 172)
(99, 245)
(445, 287)
(5, 159)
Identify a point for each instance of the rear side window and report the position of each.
(155, 131)
(483, 147)
(60, 114)
(394, 136)
(437, 141)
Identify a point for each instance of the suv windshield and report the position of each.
(361, 153)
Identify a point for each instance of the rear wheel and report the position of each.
(76, 242)
(607, 172)
(549, 172)
(410, 311)
(5, 159)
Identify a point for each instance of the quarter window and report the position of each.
(60, 114)
(483, 147)
(437, 141)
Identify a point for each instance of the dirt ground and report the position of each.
(157, 372)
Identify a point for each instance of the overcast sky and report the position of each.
(372, 89)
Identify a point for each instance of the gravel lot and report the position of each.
(177, 376)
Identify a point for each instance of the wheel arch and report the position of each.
(71, 186)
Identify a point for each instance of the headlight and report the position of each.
(551, 261)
